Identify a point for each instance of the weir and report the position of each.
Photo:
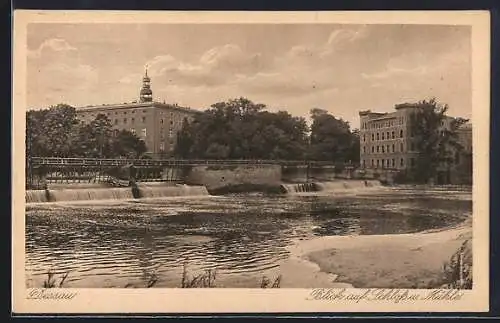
(113, 193)
(146, 191)
(331, 186)
(88, 194)
(36, 196)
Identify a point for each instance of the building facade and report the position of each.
(387, 143)
(154, 122)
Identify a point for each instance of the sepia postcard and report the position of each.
(250, 162)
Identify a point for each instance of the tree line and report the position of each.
(57, 132)
(242, 129)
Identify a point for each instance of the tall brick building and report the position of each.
(154, 122)
(386, 141)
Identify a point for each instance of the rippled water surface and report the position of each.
(116, 243)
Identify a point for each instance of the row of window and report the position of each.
(93, 115)
(386, 163)
(387, 148)
(383, 124)
(384, 135)
(132, 120)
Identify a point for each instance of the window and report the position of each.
(364, 138)
(383, 149)
(383, 163)
(133, 111)
(393, 148)
(132, 120)
(378, 136)
(144, 133)
(125, 112)
(364, 150)
(378, 162)
(393, 135)
(143, 119)
(124, 120)
(373, 136)
(116, 113)
(378, 149)
(402, 162)
(382, 136)
(364, 164)
(115, 133)
(373, 149)
(402, 148)
(387, 134)
(373, 162)
(401, 134)
(171, 122)
(161, 121)
(388, 148)
(116, 121)
(393, 162)
(162, 146)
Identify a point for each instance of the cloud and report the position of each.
(392, 72)
(53, 45)
(67, 81)
(216, 66)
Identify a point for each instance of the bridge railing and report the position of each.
(61, 161)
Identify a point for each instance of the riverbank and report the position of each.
(384, 261)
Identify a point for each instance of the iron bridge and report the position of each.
(100, 162)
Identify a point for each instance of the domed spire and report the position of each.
(146, 95)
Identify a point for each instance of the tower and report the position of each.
(146, 95)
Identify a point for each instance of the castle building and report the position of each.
(154, 122)
(387, 142)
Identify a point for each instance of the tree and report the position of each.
(241, 129)
(56, 132)
(354, 147)
(184, 142)
(95, 138)
(50, 132)
(126, 144)
(331, 138)
(435, 138)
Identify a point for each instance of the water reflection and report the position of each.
(114, 245)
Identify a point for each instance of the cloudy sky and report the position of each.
(294, 67)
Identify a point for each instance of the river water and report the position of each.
(243, 237)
